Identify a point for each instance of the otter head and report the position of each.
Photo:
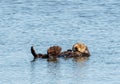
(80, 47)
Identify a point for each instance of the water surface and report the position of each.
(44, 23)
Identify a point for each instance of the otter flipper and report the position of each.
(33, 52)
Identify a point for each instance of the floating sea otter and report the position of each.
(78, 50)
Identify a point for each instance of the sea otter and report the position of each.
(78, 50)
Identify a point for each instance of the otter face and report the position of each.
(80, 47)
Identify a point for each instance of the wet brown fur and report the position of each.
(55, 51)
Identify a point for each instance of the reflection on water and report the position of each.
(44, 23)
(64, 71)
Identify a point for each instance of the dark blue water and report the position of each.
(44, 23)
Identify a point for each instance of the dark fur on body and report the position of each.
(72, 54)
(52, 53)
(55, 51)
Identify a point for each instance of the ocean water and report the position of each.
(44, 23)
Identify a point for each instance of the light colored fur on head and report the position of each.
(80, 47)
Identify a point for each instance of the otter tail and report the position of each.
(33, 52)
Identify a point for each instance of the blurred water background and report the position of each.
(44, 23)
